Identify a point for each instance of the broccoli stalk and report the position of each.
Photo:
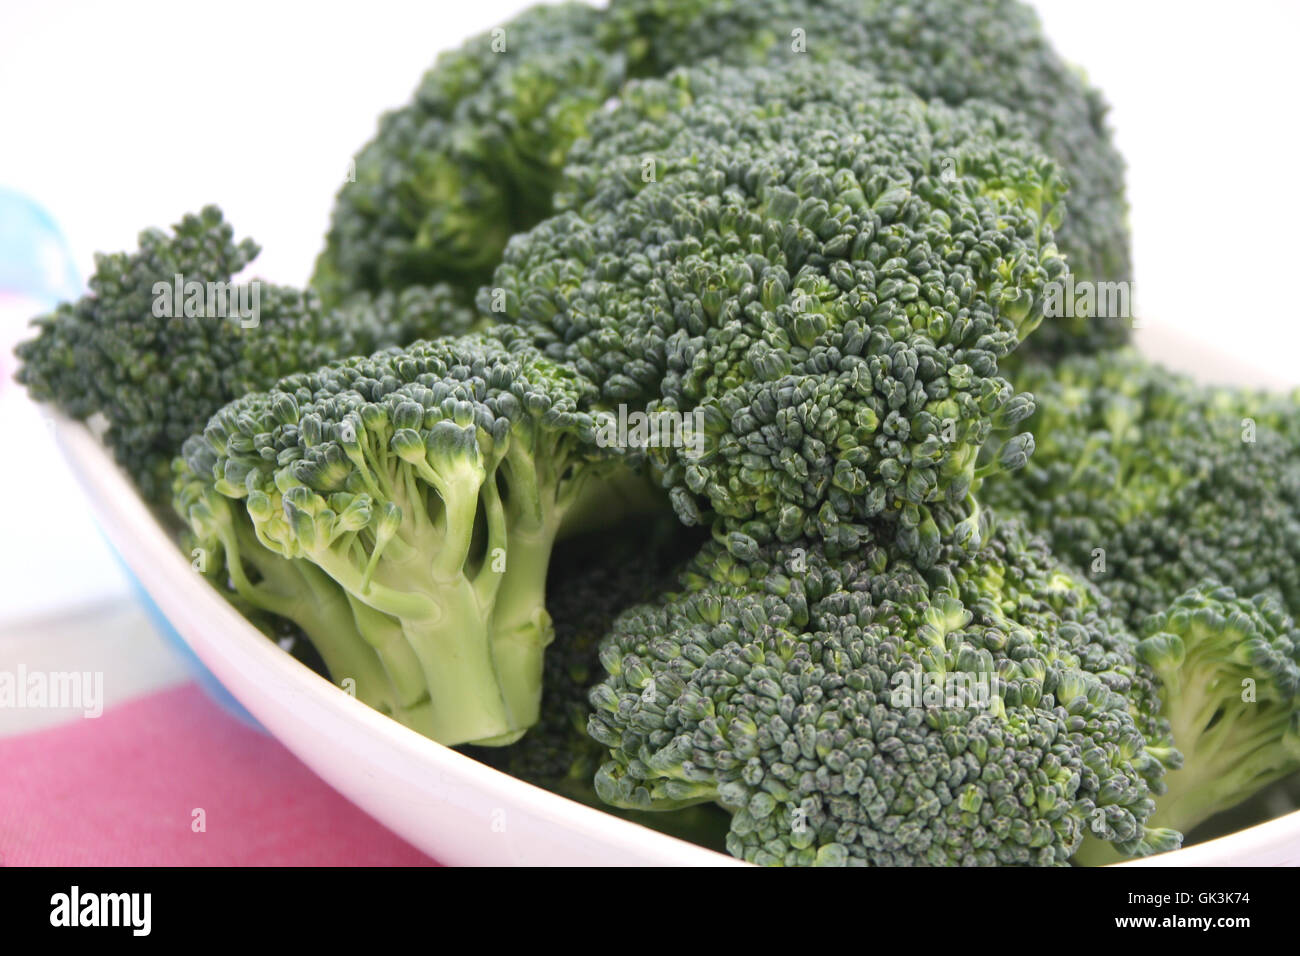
(428, 487)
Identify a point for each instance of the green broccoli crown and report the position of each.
(789, 689)
(471, 159)
(1229, 671)
(1153, 482)
(156, 358)
(950, 51)
(822, 274)
(423, 488)
(475, 156)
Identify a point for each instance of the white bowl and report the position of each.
(450, 806)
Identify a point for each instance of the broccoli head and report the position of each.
(473, 157)
(950, 51)
(1229, 672)
(165, 337)
(401, 509)
(860, 710)
(1152, 482)
(818, 276)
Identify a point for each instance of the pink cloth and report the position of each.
(121, 790)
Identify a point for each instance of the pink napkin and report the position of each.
(122, 790)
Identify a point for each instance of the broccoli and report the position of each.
(593, 578)
(401, 510)
(1229, 678)
(471, 159)
(861, 710)
(1152, 483)
(475, 155)
(950, 51)
(1229, 670)
(822, 275)
(156, 368)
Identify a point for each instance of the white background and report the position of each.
(125, 115)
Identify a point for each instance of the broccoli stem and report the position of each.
(384, 634)
(544, 509)
(521, 626)
(467, 702)
(302, 594)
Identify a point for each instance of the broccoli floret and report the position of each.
(950, 51)
(475, 155)
(787, 689)
(471, 159)
(821, 276)
(1151, 482)
(156, 367)
(401, 509)
(1228, 669)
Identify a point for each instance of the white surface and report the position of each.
(115, 639)
(51, 557)
(1202, 101)
(126, 115)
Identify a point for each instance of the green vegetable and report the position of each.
(773, 687)
(1152, 483)
(1229, 673)
(476, 154)
(401, 510)
(949, 51)
(471, 159)
(822, 276)
(165, 337)
(709, 345)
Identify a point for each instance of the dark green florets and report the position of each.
(471, 159)
(420, 491)
(1151, 482)
(950, 51)
(790, 690)
(476, 154)
(822, 275)
(156, 366)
